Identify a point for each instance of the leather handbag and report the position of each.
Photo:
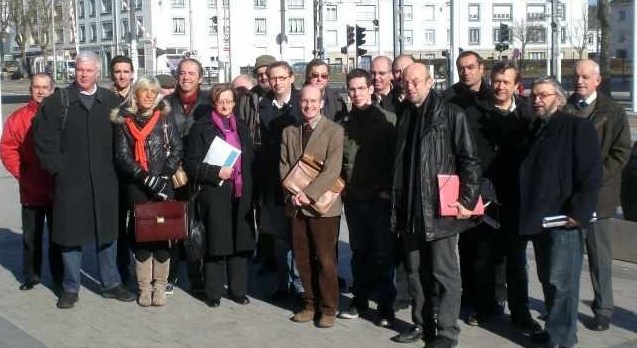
(306, 169)
(161, 221)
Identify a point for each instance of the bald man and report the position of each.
(433, 137)
(613, 132)
(381, 71)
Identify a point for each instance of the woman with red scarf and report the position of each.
(148, 149)
(224, 197)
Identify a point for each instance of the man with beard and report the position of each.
(560, 175)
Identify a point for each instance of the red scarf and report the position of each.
(140, 136)
(188, 101)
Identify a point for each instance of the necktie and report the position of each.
(582, 104)
(307, 132)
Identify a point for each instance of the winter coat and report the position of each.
(182, 120)
(229, 229)
(80, 157)
(17, 149)
(445, 146)
(613, 131)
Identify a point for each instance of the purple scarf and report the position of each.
(231, 135)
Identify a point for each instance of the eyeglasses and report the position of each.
(278, 78)
(316, 76)
(224, 102)
(542, 96)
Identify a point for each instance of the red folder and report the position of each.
(449, 190)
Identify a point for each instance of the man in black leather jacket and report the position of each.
(433, 137)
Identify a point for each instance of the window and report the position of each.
(536, 34)
(82, 33)
(429, 12)
(430, 37)
(260, 26)
(563, 35)
(179, 25)
(330, 13)
(296, 26)
(212, 3)
(536, 12)
(107, 31)
(621, 37)
(365, 12)
(260, 4)
(91, 8)
(213, 25)
(178, 3)
(296, 3)
(622, 15)
(138, 4)
(474, 36)
(408, 12)
(502, 12)
(409, 38)
(139, 24)
(107, 7)
(331, 38)
(561, 11)
(93, 32)
(125, 29)
(622, 54)
(59, 36)
(80, 9)
(474, 12)
(537, 55)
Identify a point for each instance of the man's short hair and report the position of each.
(89, 56)
(192, 60)
(501, 67)
(358, 73)
(313, 63)
(470, 53)
(281, 64)
(121, 59)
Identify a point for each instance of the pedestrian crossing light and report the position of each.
(360, 36)
(350, 35)
(505, 33)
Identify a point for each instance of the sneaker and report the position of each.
(67, 300)
(119, 293)
(170, 288)
(350, 313)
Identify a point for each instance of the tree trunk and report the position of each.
(603, 15)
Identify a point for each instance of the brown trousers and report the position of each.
(314, 245)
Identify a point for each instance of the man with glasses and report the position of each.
(278, 109)
(382, 77)
(430, 129)
(609, 118)
(560, 175)
(317, 74)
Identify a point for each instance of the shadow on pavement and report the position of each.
(11, 255)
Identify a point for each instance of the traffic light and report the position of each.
(360, 36)
(505, 34)
(350, 35)
(501, 47)
(361, 52)
(344, 49)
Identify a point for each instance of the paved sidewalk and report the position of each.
(30, 319)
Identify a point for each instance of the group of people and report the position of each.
(92, 154)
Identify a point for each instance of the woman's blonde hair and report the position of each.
(144, 82)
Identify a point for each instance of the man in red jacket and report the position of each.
(17, 150)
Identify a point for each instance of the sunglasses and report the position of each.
(316, 76)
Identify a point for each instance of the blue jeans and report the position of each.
(562, 261)
(106, 267)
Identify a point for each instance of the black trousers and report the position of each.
(124, 237)
(33, 219)
(516, 271)
(177, 253)
(434, 276)
(234, 267)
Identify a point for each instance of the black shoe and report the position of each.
(601, 323)
(526, 323)
(441, 342)
(350, 313)
(67, 300)
(413, 335)
(213, 303)
(242, 300)
(385, 321)
(29, 284)
(540, 337)
(119, 293)
(280, 295)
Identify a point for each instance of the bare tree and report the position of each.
(603, 15)
(578, 34)
(520, 33)
(5, 20)
(41, 25)
(21, 17)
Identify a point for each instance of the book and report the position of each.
(449, 191)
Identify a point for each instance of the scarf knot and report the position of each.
(140, 135)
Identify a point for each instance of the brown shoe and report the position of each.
(327, 320)
(303, 316)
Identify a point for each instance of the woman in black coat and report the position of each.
(224, 197)
(148, 149)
